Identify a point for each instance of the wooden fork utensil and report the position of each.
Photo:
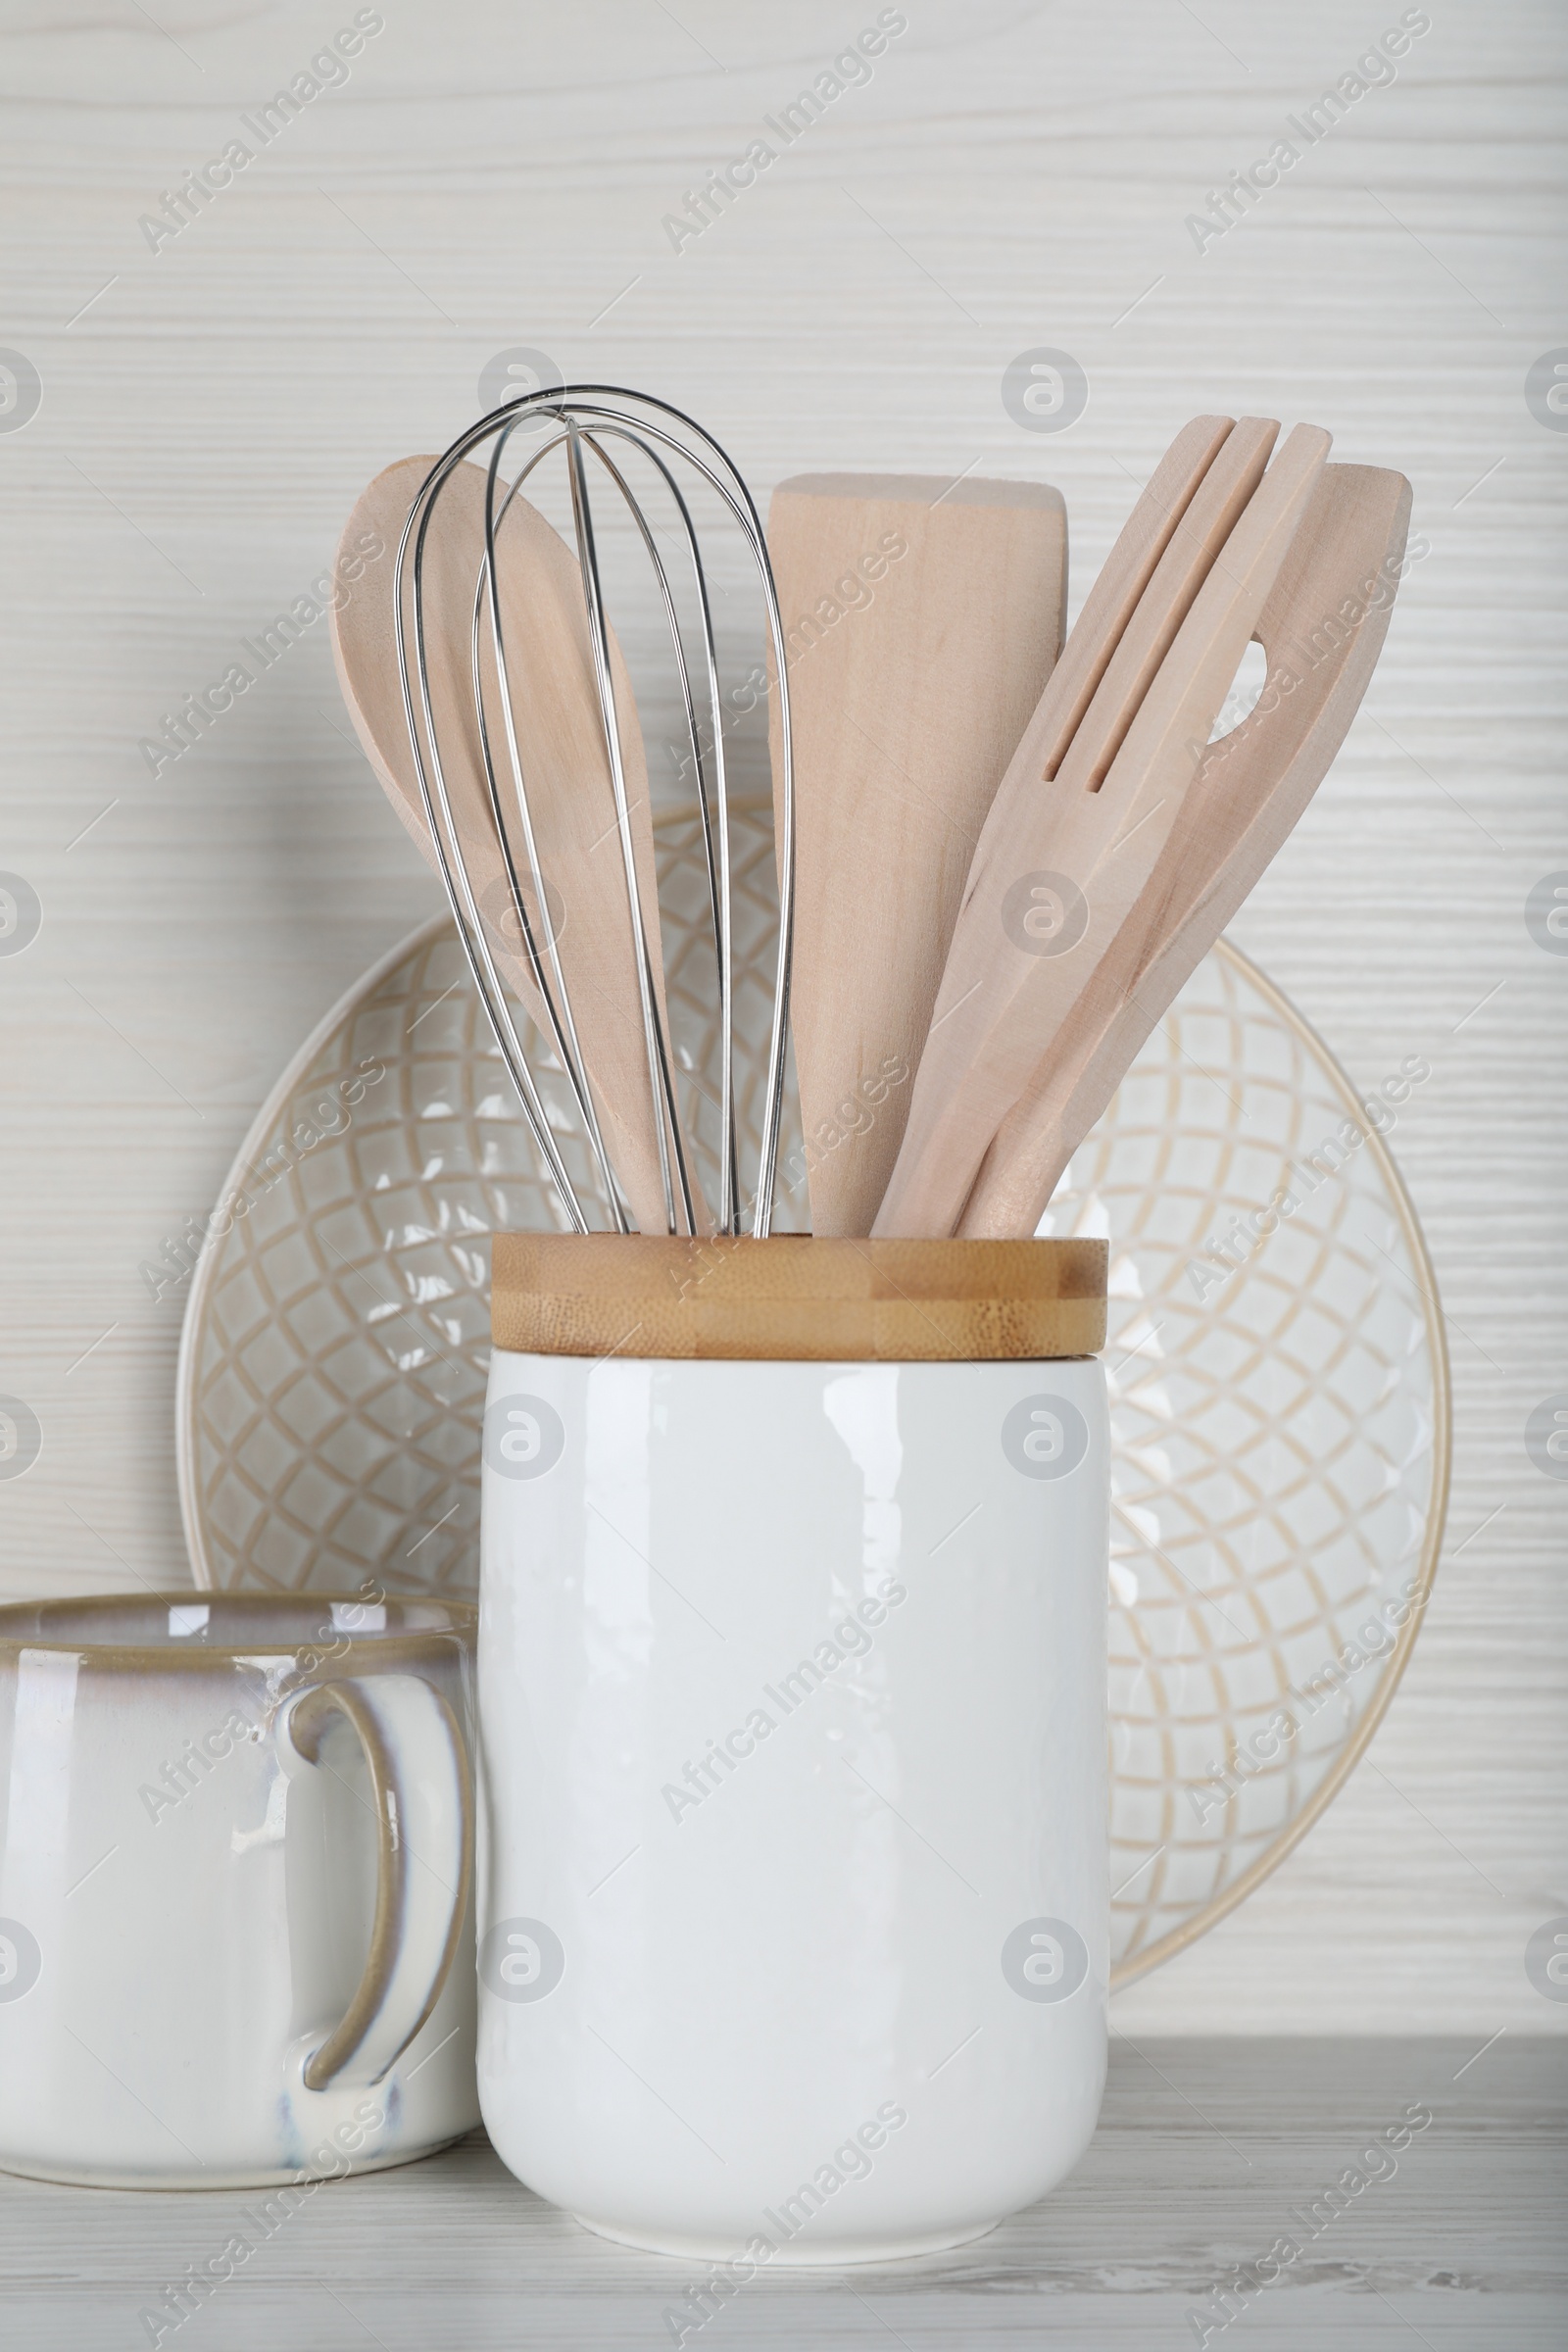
(1089, 804)
(1322, 629)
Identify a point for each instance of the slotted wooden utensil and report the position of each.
(1040, 928)
(1020, 805)
(586, 920)
(1108, 609)
(1322, 629)
(924, 618)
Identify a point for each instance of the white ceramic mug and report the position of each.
(794, 1918)
(236, 1895)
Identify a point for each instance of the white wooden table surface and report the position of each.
(1011, 175)
(1208, 2153)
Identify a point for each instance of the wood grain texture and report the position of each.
(923, 616)
(977, 966)
(1208, 2152)
(1322, 629)
(1114, 596)
(797, 1298)
(1104, 819)
(1194, 546)
(494, 176)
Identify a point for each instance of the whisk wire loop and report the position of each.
(587, 416)
(454, 872)
(563, 1026)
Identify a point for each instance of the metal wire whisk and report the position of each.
(590, 417)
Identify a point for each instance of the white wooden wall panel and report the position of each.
(1012, 176)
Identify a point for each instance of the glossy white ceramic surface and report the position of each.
(186, 1901)
(793, 1790)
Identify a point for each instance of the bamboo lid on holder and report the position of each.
(797, 1298)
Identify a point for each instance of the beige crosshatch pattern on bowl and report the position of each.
(1281, 1455)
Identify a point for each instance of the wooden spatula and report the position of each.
(562, 745)
(1322, 628)
(1054, 920)
(922, 620)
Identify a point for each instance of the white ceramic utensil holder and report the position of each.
(793, 1905)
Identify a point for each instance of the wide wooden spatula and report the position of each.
(922, 620)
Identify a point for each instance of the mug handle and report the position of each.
(420, 1785)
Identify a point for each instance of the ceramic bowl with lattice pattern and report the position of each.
(1278, 1383)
